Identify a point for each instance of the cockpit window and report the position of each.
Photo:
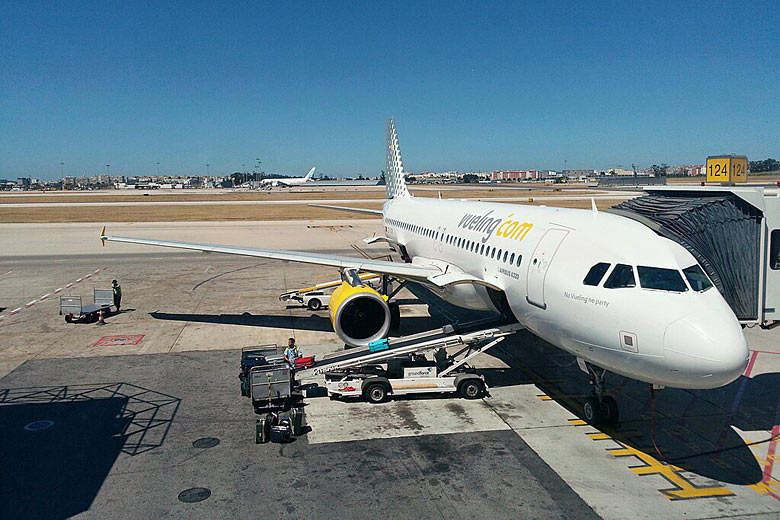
(622, 276)
(696, 277)
(661, 279)
(596, 273)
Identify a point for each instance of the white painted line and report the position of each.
(2, 317)
(69, 285)
(28, 305)
(9, 272)
(79, 280)
(44, 297)
(15, 311)
(96, 271)
(58, 289)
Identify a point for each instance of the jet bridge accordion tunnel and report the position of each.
(733, 232)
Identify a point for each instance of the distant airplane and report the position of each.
(604, 288)
(291, 181)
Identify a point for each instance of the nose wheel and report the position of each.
(600, 409)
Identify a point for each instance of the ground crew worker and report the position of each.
(117, 294)
(291, 353)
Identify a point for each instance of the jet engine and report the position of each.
(359, 315)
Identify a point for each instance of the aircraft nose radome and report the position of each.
(710, 350)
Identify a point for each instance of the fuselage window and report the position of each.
(492, 252)
(696, 277)
(505, 254)
(519, 260)
(596, 273)
(621, 276)
(498, 256)
(512, 259)
(661, 279)
(482, 249)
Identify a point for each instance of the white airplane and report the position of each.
(288, 181)
(602, 287)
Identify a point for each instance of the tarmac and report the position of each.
(116, 420)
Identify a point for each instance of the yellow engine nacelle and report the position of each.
(359, 315)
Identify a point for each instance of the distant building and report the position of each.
(514, 175)
(23, 182)
(694, 170)
(620, 171)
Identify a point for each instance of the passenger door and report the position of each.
(540, 263)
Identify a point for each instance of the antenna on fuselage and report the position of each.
(593, 206)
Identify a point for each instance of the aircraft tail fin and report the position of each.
(395, 185)
(310, 174)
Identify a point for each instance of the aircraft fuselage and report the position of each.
(649, 321)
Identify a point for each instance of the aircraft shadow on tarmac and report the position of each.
(311, 321)
(693, 428)
(59, 443)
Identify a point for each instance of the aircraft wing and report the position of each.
(406, 271)
(354, 210)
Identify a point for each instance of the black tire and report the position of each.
(591, 410)
(315, 304)
(68, 318)
(471, 389)
(376, 393)
(610, 412)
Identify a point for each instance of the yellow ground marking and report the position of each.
(766, 488)
(577, 422)
(684, 489)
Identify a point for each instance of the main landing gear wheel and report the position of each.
(314, 304)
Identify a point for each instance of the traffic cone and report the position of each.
(101, 321)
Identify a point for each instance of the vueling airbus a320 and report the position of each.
(602, 287)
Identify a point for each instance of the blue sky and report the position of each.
(472, 87)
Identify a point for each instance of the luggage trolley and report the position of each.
(74, 311)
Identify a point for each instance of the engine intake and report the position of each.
(359, 315)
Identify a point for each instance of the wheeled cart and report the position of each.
(74, 311)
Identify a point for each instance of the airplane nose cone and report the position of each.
(706, 351)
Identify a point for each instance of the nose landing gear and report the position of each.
(599, 409)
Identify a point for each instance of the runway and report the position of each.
(617, 196)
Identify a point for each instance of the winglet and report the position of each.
(593, 205)
(103, 236)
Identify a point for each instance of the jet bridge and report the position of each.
(733, 232)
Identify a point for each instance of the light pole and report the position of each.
(158, 168)
(62, 174)
(207, 170)
(108, 170)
